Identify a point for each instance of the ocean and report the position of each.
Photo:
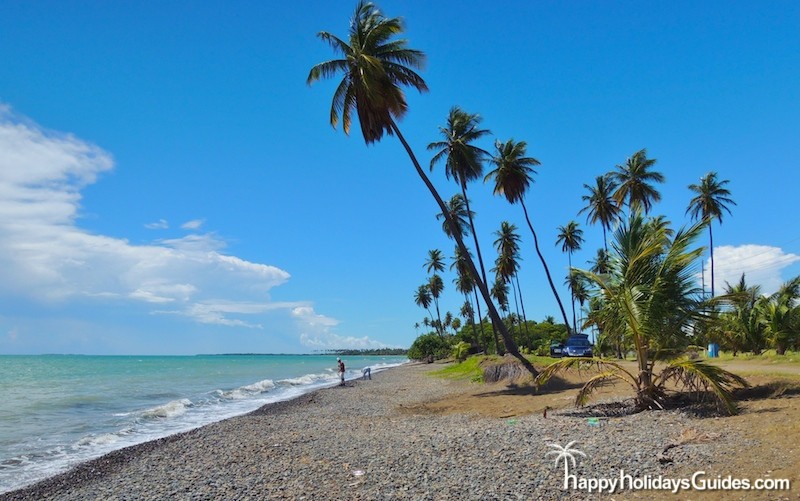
(60, 410)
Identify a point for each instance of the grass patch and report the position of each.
(468, 369)
(790, 357)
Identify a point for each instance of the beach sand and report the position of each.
(407, 435)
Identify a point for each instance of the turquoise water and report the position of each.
(59, 410)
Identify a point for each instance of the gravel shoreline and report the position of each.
(367, 441)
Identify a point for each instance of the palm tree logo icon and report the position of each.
(567, 453)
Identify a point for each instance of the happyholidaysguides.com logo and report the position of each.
(698, 481)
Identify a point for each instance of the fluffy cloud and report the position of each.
(316, 333)
(761, 264)
(46, 257)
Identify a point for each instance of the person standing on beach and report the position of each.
(341, 371)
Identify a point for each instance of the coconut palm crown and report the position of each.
(374, 67)
(711, 199)
(634, 182)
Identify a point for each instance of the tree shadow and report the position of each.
(554, 385)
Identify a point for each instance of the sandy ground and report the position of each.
(768, 420)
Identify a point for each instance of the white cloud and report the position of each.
(161, 224)
(194, 224)
(47, 257)
(761, 264)
(315, 332)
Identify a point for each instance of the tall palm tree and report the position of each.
(601, 205)
(507, 262)
(375, 65)
(436, 287)
(710, 201)
(463, 160)
(512, 175)
(570, 237)
(422, 298)
(634, 180)
(466, 284)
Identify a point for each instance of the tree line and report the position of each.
(640, 294)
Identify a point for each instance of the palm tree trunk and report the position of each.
(480, 256)
(516, 307)
(711, 247)
(522, 305)
(439, 327)
(480, 319)
(572, 295)
(605, 241)
(509, 342)
(546, 269)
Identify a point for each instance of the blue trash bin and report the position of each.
(713, 350)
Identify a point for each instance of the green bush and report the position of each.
(429, 345)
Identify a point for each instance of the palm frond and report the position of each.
(595, 382)
(698, 375)
(584, 363)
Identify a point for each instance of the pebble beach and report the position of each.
(370, 440)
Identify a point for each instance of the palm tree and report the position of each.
(435, 261)
(458, 215)
(600, 264)
(463, 160)
(709, 203)
(650, 293)
(742, 325)
(570, 237)
(375, 66)
(507, 262)
(601, 205)
(466, 284)
(781, 316)
(423, 299)
(634, 182)
(512, 175)
(436, 287)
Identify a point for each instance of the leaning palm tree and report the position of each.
(512, 176)
(601, 205)
(463, 160)
(651, 294)
(375, 66)
(634, 180)
(570, 237)
(465, 285)
(710, 201)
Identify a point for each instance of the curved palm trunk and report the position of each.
(480, 257)
(544, 264)
(510, 344)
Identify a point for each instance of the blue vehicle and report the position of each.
(577, 345)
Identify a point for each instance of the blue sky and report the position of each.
(170, 185)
